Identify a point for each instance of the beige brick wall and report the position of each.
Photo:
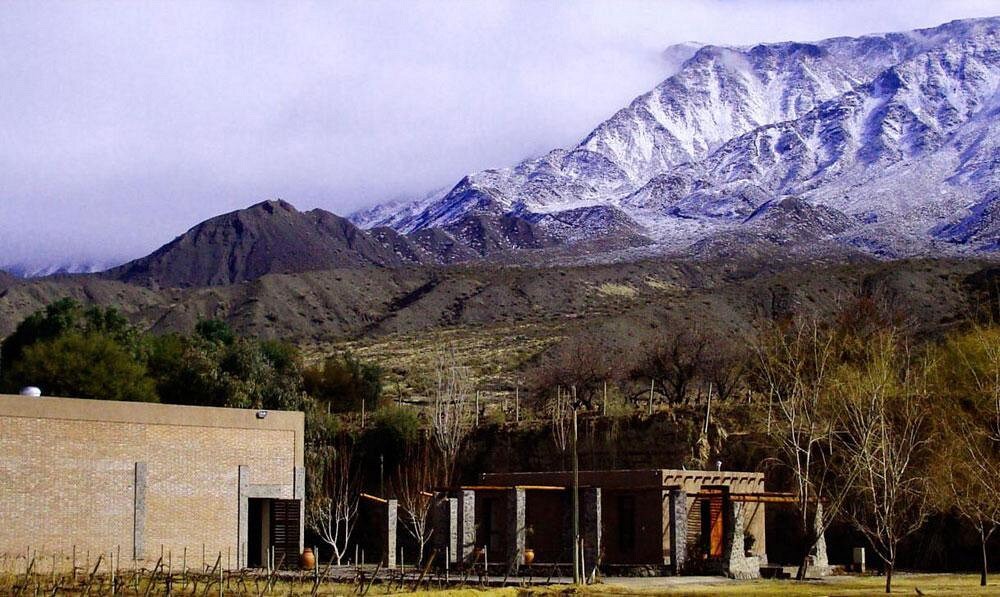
(67, 471)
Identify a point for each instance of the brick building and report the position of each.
(91, 476)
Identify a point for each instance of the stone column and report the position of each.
(391, 522)
(819, 556)
(590, 526)
(299, 493)
(466, 524)
(516, 526)
(243, 476)
(678, 513)
(446, 527)
(737, 564)
(139, 511)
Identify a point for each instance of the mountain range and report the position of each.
(887, 144)
(882, 146)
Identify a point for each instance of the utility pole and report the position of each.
(517, 403)
(576, 499)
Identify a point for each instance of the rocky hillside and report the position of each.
(624, 300)
(6, 280)
(270, 237)
(273, 237)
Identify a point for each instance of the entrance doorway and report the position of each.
(273, 528)
(713, 522)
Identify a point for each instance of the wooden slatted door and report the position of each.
(712, 522)
(285, 524)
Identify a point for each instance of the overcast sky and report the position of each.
(124, 124)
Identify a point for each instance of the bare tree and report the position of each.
(336, 491)
(414, 487)
(887, 437)
(970, 375)
(975, 371)
(724, 367)
(583, 362)
(454, 412)
(971, 474)
(674, 363)
(791, 373)
(560, 411)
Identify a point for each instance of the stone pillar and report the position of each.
(391, 522)
(139, 511)
(678, 512)
(516, 526)
(299, 493)
(735, 561)
(590, 526)
(446, 527)
(243, 475)
(466, 524)
(820, 560)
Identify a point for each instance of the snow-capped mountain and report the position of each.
(28, 271)
(890, 141)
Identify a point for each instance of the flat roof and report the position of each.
(666, 472)
(154, 413)
(624, 478)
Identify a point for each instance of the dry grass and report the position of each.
(299, 584)
(494, 355)
(847, 586)
(617, 290)
(662, 285)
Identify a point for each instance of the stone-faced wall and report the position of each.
(100, 476)
(734, 482)
(645, 493)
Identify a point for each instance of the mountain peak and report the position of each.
(865, 132)
(272, 205)
(267, 237)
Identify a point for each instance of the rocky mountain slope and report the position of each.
(270, 237)
(6, 280)
(620, 300)
(895, 133)
(273, 237)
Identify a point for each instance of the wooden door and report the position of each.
(285, 517)
(713, 523)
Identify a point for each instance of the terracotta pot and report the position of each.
(529, 556)
(307, 560)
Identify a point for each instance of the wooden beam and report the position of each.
(507, 487)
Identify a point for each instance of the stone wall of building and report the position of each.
(102, 476)
(736, 563)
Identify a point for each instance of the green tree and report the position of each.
(255, 374)
(215, 331)
(343, 383)
(394, 430)
(185, 370)
(46, 324)
(88, 365)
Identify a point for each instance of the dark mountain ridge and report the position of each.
(273, 237)
(6, 279)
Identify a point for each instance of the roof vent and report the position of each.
(31, 391)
